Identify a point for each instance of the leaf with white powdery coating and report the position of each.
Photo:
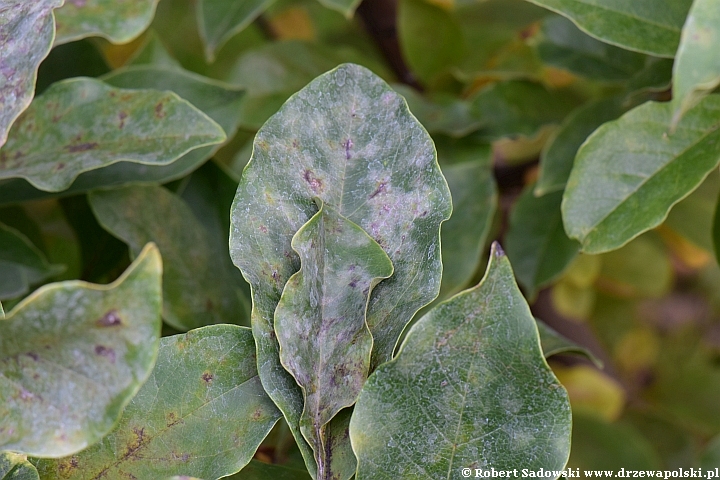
(117, 21)
(350, 141)
(73, 354)
(202, 413)
(198, 288)
(647, 26)
(696, 71)
(631, 171)
(27, 30)
(14, 466)
(470, 388)
(320, 321)
(89, 125)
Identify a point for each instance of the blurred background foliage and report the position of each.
(508, 91)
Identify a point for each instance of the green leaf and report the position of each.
(73, 354)
(441, 113)
(518, 107)
(647, 26)
(16, 467)
(600, 445)
(536, 241)
(263, 471)
(88, 125)
(710, 458)
(202, 412)
(346, 7)
(631, 171)
(697, 68)
(27, 30)
(22, 264)
(454, 398)
(198, 287)
(350, 141)
(117, 21)
(320, 321)
(428, 55)
(692, 218)
(553, 343)
(219, 20)
(655, 77)
(474, 197)
(563, 45)
(558, 155)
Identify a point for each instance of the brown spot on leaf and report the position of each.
(110, 319)
(296, 144)
(66, 466)
(106, 352)
(33, 355)
(257, 414)
(315, 184)
(159, 112)
(263, 229)
(122, 116)
(207, 377)
(172, 419)
(81, 147)
(378, 190)
(347, 144)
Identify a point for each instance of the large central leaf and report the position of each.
(320, 321)
(350, 141)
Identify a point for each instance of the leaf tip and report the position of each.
(496, 251)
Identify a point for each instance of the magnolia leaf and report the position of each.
(697, 68)
(631, 171)
(470, 388)
(73, 354)
(256, 470)
(428, 55)
(442, 113)
(518, 107)
(89, 125)
(202, 412)
(553, 343)
(346, 7)
(14, 466)
(655, 77)
(565, 46)
(27, 30)
(350, 141)
(320, 321)
(474, 197)
(558, 155)
(219, 20)
(118, 21)
(21, 264)
(647, 26)
(198, 288)
(536, 241)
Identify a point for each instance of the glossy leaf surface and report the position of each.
(536, 241)
(474, 197)
(118, 21)
(198, 288)
(27, 30)
(320, 321)
(73, 354)
(21, 264)
(219, 20)
(202, 412)
(563, 45)
(648, 26)
(14, 466)
(469, 389)
(697, 68)
(558, 156)
(94, 125)
(631, 171)
(350, 141)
